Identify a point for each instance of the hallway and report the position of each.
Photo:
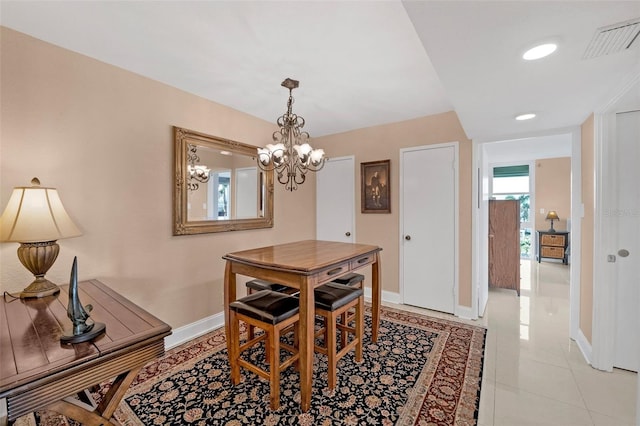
(534, 374)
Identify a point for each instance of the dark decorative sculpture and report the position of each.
(84, 328)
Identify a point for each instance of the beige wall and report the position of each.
(586, 269)
(103, 137)
(553, 191)
(384, 142)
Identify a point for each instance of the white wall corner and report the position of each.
(584, 346)
(188, 332)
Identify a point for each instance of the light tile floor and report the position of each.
(534, 374)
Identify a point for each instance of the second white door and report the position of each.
(429, 194)
(335, 201)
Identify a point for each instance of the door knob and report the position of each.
(348, 234)
(407, 237)
(623, 252)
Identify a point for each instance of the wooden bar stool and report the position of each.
(331, 302)
(353, 280)
(272, 312)
(256, 285)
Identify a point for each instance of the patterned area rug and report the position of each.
(422, 370)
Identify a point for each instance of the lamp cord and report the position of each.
(13, 297)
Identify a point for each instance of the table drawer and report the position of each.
(555, 252)
(362, 261)
(330, 274)
(553, 240)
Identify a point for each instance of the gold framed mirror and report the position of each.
(218, 186)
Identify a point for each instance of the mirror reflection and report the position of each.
(222, 186)
(219, 186)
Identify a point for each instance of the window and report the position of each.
(512, 183)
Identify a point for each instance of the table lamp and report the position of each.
(552, 215)
(36, 218)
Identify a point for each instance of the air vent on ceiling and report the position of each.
(613, 38)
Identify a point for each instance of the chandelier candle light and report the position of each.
(290, 155)
(197, 172)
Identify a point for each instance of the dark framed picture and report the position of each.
(376, 191)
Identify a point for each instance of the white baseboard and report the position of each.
(389, 296)
(465, 312)
(188, 332)
(585, 347)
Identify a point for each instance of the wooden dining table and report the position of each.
(304, 265)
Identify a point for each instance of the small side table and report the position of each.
(553, 245)
(37, 371)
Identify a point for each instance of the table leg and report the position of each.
(78, 412)
(229, 296)
(4, 418)
(90, 415)
(116, 392)
(307, 315)
(376, 296)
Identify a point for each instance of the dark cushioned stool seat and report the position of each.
(332, 296)
(267, 306)
(350, 279)
(267, 285)
(275, 313)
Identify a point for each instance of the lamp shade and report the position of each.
(35, 214)
(552, 215)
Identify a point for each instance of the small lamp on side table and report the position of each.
(36, 218)
(552, 215)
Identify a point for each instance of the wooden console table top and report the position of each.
(37, 371)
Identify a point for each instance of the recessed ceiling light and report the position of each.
(540, 51)
(523, 117)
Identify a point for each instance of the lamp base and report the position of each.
(38, 258)
(41, 287)
(551, 231)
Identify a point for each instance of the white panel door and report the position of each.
(335, 201)
(428, 226)
(626, 215)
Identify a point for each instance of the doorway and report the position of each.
(524, 151)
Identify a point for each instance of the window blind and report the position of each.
(511, 171)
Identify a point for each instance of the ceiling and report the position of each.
(360, 63)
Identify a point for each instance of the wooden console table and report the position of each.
(304, 265)
(38, 372)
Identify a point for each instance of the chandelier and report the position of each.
(290, 155)
(197, 173)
